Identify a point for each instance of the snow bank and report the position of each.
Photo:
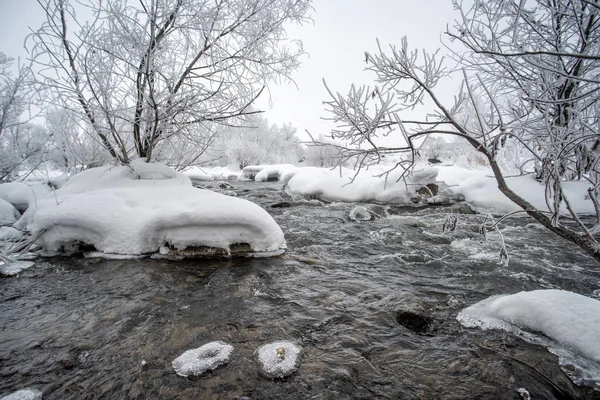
(569, 318)
(337, 185)
(23, 195)
(205, 358)
(479, 187)
(141, 208)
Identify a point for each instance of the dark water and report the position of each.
(372, 303)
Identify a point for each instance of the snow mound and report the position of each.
(23, 195)
(9, 233)
(211, 174)
(13, 268)
(8, 213)
(249, 172)
(273, 172)
(479, 188)
(133, 210)
(205, 358)
(342, 184)
(278, 359)
(24, 394)
(568, 318)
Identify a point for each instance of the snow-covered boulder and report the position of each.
(142, 208)
(24, 394)
(23, 195)
(278, 359)
(249, 172)
(205, 358)
(8, 213)
(569, 318)
(273, 172)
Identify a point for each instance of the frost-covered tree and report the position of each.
(531, 72)
(21, 143)
(161, 73)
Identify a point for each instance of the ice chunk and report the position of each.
(13, 268)
(205, 358)
(278, 359)
(359, 213)
(24, 394)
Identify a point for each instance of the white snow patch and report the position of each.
(205, 358)
(9, 233)
(116, 211)
(23, 195)
(13, 268)
(278, 359)
(8, 213)
(24, 394)
(570, 319)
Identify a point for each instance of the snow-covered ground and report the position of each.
(145, 208)
(570, 319)
(477, 187)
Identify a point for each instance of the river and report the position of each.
(372, 303)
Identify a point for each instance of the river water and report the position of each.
(372, 303)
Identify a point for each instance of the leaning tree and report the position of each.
(149, 73)
(531, 75)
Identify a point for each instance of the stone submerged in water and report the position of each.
(205, 358)
(24, 394)
(359, 213)
(278, 359)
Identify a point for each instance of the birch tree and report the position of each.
(530, 72)
(147, 73)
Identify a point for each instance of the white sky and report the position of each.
(342, 30)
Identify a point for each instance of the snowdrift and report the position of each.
(145, 208)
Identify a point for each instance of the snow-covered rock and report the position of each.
(197, 174)
(24, 394)
(359, 213)
(13, 268)
(273, 172)
(23, 195)
(249, 172)
(8, 213)
(569, 318)
(140, 208)
(205, 358)
(278, 359)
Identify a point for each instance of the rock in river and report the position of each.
(278, 359)
(205, 358)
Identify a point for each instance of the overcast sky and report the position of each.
(342, 30)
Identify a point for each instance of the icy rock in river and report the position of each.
(278, 359)
(24, 394)
(14, 267)
(359, 213)
(205, 358)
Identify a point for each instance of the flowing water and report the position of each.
(372, 303)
